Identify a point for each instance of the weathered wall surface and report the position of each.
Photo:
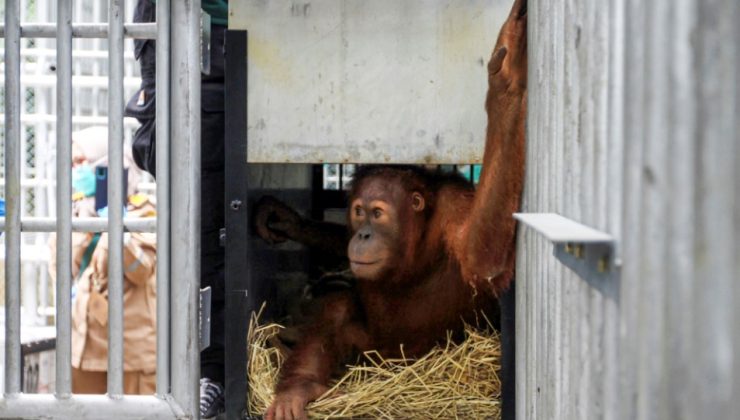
(634, 129)
(367, 81)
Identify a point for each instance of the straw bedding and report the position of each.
(454, 381)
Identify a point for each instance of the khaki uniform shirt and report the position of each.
(90, 305)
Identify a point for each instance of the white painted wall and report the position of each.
(367, 81)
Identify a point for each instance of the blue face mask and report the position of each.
(83, 180)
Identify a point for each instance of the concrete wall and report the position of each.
(634, 129)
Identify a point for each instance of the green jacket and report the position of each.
(218, 9)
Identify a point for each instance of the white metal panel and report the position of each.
(717, 61)
(367, 81)
(633, 126)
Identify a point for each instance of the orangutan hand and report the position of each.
(275, 221)
(508, 65)
(290, 404)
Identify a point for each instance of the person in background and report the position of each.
(142, 106)
(90, 280)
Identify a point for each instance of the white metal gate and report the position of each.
(178, 207)
(38, 143)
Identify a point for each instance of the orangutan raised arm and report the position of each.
(485, 243)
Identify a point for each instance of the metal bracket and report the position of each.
(204, 320)
(205, 43)
(588, 252)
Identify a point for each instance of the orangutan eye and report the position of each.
(358, 211)
(377, 213)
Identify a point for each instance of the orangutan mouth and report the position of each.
(364, 263)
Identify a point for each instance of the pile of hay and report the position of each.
(454, 381)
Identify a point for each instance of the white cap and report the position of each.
(92, 144)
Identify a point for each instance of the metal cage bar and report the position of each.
(115, 198)
(86, 30)
(185, 211)
(13, 197)
(64, 201)
(82, 224)
(163, 196)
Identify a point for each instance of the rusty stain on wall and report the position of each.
(267, 58)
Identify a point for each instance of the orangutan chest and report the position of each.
(416, 328)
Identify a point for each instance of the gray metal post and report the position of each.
(163, 197)
(185, 211)
(64, 198)
(13, 198)
(115, 199)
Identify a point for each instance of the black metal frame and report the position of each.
(239, 303)
(507, 303)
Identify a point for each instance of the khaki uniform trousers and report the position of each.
(95, 382)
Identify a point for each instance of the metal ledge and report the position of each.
(561, 230)
(590, 253)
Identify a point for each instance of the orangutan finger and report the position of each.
(519, 9)
(280, 412)
(270, 414)
(497, 60)
(298, 412)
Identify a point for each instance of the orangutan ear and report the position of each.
(417, 201)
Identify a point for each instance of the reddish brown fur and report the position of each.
(427, 251)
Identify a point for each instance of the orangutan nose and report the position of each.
(364, 233)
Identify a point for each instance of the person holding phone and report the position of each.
(90, 279)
